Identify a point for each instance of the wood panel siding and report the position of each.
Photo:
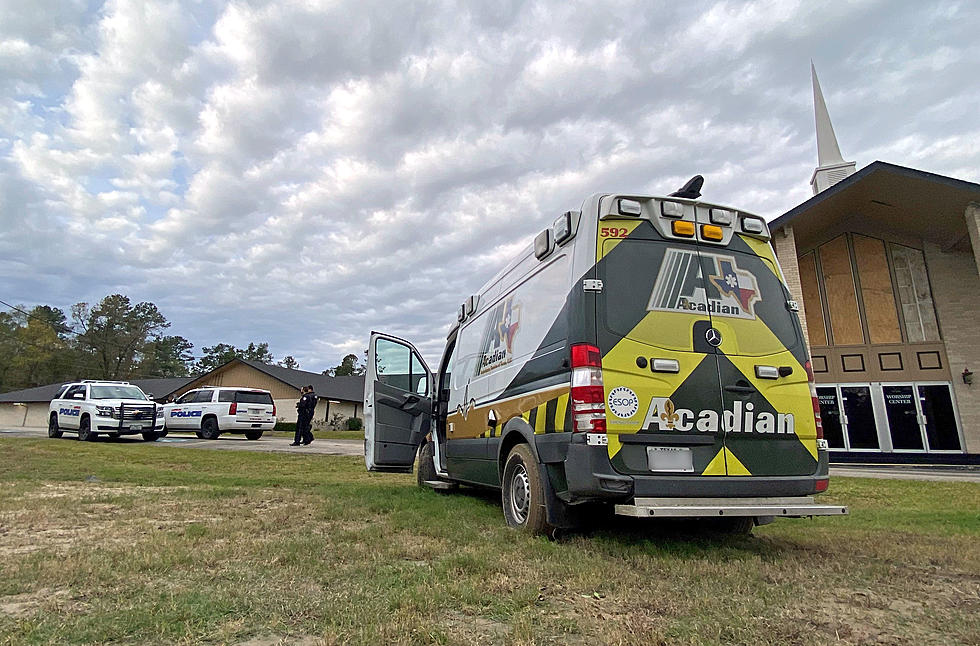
(845, 321)
(811, 299)
(876, 290)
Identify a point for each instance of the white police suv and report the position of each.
(92, 408)
(213, 410)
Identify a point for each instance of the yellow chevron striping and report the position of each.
(560, 414)
(541, 419)
(717, 465)
(735, 468)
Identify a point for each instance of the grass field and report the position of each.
(124, 543)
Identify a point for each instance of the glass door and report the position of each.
(830, 416)
(942, 431)
(859, 417)
(903, 417)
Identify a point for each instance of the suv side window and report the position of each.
(186, 398)
(61, 392)
(74, 390)
(203, 397)
(226, 395)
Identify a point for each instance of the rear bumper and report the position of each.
(590, 476)
(235, 424)
(791, 507)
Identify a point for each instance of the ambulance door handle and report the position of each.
(740, 389)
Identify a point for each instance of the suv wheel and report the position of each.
(85, 433)
(150, 436)
(209, 429)
(253, 435)
(522, 496)
(53, 430)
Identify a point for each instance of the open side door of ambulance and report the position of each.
(397, 404)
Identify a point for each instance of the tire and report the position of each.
(85, 433)
(199, 435)
(151, 436)
(521, 493)
(53, 430)
(209, 429)
(163, 433)
(426, 469)
(732, 526)
(253, 435)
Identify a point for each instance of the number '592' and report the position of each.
(614, 232)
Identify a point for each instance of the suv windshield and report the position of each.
(117, 392)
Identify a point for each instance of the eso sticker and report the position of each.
(623, 402)
(714, 285)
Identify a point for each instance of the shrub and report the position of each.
(354, 424)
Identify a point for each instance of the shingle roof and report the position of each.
(342, 388)
(159, 388)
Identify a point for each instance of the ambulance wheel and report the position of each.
(426, 471)
(85, 433)
(53, 430)
(733, 526)
(521, 495)
(151, 437)
(253, 435)
(209, 429)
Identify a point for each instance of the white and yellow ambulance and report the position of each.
(643, 352)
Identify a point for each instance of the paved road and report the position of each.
(269, 443)
(280, 444)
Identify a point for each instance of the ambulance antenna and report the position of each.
(691, 190)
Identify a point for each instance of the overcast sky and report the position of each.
(304, 172)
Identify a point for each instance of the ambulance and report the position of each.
(643, 353)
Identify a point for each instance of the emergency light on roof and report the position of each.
(753, 225)
(630, 207)
(542, 244)
(672, 209)
(562, 227)
(724, 217)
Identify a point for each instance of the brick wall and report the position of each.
(955, 281)
(784, 243)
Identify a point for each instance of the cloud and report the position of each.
(303, 172)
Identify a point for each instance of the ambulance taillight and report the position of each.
(814, 399)
(587, 392)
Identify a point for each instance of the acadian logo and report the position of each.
(719, 287)
(664, 416)
(498, 337)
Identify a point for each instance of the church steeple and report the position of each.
(831, 167)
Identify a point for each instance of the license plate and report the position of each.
(136, 427)
(670, 458)
(255, 411)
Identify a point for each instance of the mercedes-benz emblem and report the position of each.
(713, 337)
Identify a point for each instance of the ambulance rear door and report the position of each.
(397, 403)
(761, 360)
(660, 371)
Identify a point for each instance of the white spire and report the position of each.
(831, 167)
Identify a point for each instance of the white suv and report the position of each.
(91, 408)
(213, 410)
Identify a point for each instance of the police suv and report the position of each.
(643, 352)
(93, 408)
(213, 410)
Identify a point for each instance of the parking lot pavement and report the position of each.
(935, 472)
(268, 443)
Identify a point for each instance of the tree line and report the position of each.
(114, 339)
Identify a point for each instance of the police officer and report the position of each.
(304, 417)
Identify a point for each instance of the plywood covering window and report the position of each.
(876, 290)
(816, 329)
(845, 321)
(914, 294)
